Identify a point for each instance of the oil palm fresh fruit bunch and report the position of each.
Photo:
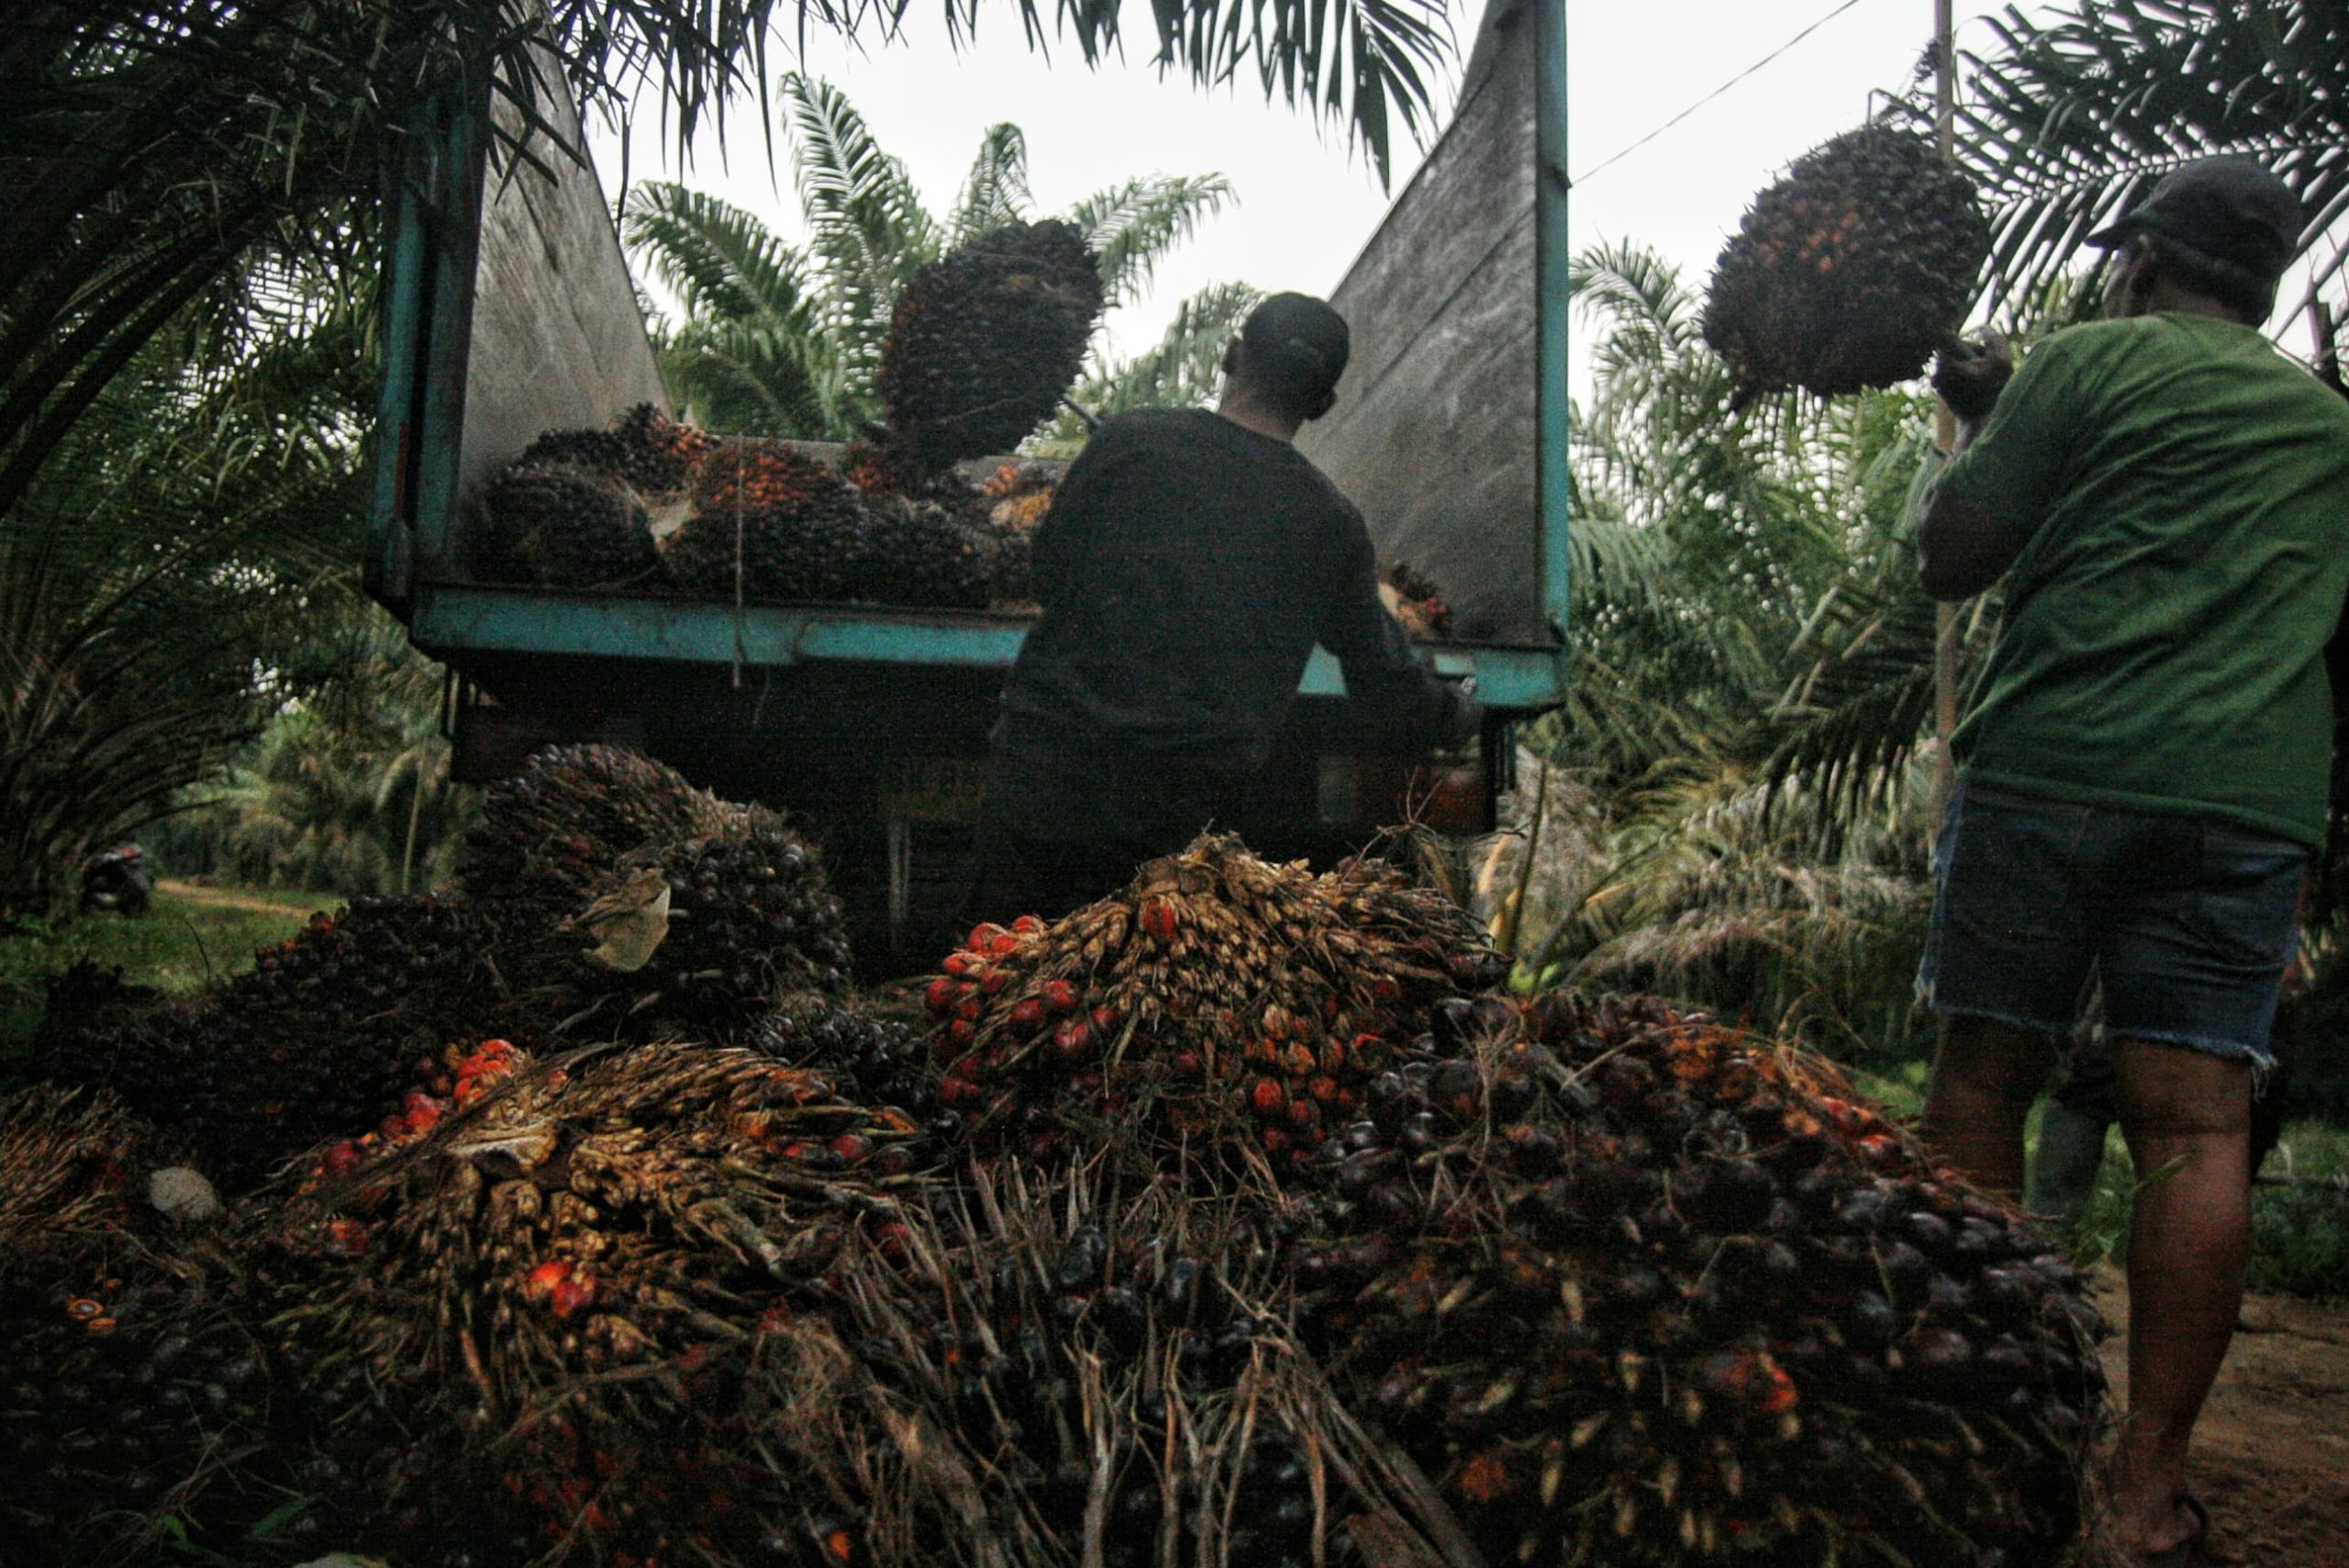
(569, 1265)
(554, 830)
(767, 522)
(134, 1395)
(984, 341)
(1632, 1288)
(1851, 271)
(1416, 600)
(874, 1061)
(315, 1041)
(924, 553)
(652, 454)
(1219, 997)
(553, 524)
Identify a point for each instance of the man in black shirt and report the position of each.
(1190, 562)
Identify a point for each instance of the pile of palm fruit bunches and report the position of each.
(584, 1215)
(982, 344)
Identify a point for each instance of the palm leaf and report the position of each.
(721, 260)
(1131, 226)
(995, 192)
(870, 231)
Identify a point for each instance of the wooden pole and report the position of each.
(1945, 436)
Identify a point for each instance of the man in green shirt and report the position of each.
(2143, 769)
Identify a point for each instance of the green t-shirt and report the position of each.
(2187, 492)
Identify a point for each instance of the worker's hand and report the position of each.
(1970, 376)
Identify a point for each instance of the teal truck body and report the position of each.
(509, 311)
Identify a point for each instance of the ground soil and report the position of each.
(225, 898)
(2271, 1458)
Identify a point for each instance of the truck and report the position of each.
(509, 311)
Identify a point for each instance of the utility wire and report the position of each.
(1716, 92)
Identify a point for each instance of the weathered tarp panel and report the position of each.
(558, 341)
(1434, 433)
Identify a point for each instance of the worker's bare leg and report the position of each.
(2187, 1116)
(1986, 1076)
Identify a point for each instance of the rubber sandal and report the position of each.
(2194, 1551)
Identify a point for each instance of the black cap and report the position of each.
(2228, 208)
(1298, 337)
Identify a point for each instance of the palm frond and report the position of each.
(721, 261)
(995, 191)
(1131, 226)
(869, 227)
(2073, 114)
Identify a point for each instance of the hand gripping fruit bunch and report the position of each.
(1633, 1289)
(1851, 271)
(566, 1265)
(1219, 997)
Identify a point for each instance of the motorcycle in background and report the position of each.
(121, 879)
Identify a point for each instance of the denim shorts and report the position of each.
(2188, 922)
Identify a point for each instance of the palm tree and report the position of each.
(782, 341)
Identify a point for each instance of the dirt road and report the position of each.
(2272, 1453)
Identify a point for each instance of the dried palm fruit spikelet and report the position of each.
(984, 341)
(1115, 1368)
(1851, 271)
(551, 524)
(1220, 995)
(1415, 600)
(1633, 1288)
(313, 1041)
(784, 521)
(580, 1266)
(69, 1167)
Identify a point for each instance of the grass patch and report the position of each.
(190, 937)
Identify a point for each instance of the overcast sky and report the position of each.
(1306, 202)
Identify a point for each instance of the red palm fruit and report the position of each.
(852, 1146)
(1333, 1056)
(1324, 1090)
(540, 1283)
(1160, 919)
(1060, 996)
(1074, 1039)
(959, 963)
(1027, 1015)
(340, 1158)
(1303, 1112)
(941, 994)
(1268, 1097)
(1029, 925)
(984, 935)
(959, 1033)
(1275, 1140)
(970, 1007)
(1004, 946)
(994, 981)
(1105, 1018)
(573, 1292)
(1297, 1060)
(1878, 1150)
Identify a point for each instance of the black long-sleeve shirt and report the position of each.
(1186, 568)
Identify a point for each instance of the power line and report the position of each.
(1716, 92)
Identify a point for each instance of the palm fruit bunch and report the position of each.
(325, 1030)
(925, 553)
(554, 830)
(557, 526)
(1633, 1288)
(1114, 1368)
(768, 523)
(1019, 496)
(131, 1385)
(1851, 271)
(1416, 601)
(984, 341)
(872, 1059)
(653, 455)
(1220, 995)
(571, 1267)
